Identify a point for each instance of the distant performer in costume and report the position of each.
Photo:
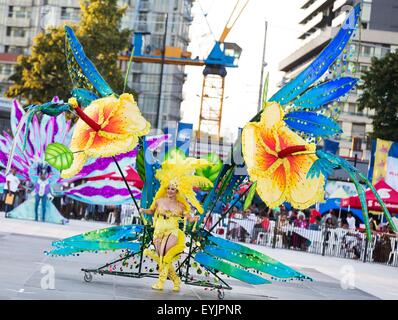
(42, 189)
(170, 207)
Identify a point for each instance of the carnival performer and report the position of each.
(42, 190)
(170, 207)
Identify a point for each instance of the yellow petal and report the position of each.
(271, 115)
(272, 189)
(249, 146)
(79, 160)
(303, 192)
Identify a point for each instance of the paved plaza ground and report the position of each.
(22, 259)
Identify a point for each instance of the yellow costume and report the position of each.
(179, 174)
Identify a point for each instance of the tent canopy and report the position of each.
(388, 195)
(334, 204)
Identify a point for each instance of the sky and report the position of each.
(241, 84)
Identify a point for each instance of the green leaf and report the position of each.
(210, 172)
(265, 90)
(140, 164)
(226, 179)
(58, 156)
(250, 195)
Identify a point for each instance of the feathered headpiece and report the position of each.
(180, 174)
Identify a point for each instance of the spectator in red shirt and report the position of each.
(313, 216)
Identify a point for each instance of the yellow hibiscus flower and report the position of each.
(118, 124)
(279, 160)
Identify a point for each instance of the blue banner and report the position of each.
(372, 161)
(331, 146)
(184, 135)
(171, 143)
(151, 183)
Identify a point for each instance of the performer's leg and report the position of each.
(164, 266)
(170, 241)
(157, 242)
(37, 201)
(43, 208)
(158, 245)
(154, 254)
(175, 278)
(169, 247)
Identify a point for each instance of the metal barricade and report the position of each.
(322, 240)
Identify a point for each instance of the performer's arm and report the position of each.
(190, 218)
(150, 210)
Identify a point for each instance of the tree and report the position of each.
(380, 93)
(43, 74)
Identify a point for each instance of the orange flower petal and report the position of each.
(289, 138)
(272, 189)
(82, 136)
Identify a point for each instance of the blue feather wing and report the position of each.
(113, 238)
(84, 74)
(318, 67)
(320, 166)
(83, 96)
(312, 124)
(324, 93)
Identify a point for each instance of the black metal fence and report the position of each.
(322, 240)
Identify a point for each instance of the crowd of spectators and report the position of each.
(258, 222)
(308, 219)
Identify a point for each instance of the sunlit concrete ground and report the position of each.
(22, 261)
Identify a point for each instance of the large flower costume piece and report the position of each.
(279, 160)
(120, 125)
(48, 130)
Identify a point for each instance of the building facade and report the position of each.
(378, 34)
(202, 144)
(22, 20)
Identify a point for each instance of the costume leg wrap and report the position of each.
(172, 273)
(163, 272)
(175, 278)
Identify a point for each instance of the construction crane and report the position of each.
(223, 55)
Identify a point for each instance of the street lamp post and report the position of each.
(263, 64)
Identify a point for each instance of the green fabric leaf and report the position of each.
(250, 195)
(140, 164)
(211, 172)
(58, 156)
(265, 90)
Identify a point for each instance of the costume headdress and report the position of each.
(180, 173)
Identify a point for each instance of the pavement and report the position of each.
(26, 273)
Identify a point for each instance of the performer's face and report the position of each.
(171, 191)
